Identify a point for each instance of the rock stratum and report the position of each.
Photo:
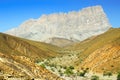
(18, 59)
(74, 26)
(100, 53)
(106, 56)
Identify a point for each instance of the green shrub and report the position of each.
(118, 76)
(38, 61)
(84, 71)
(59, 71)
(71, 67)
(46, 63)
(65, 67)
(43, 65)
(53, 69)
(61, 74)
(82, 74)
(68, 71)
(94, 77)
(52, 65)
(107, 74)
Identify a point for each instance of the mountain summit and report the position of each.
(75, 26)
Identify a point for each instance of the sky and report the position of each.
(15, 12)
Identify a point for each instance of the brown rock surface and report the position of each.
(21, 66)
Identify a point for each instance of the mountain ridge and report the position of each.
(18, 58)
(74, 26)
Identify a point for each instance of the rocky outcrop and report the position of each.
(105, 59)
(23, 68)
(61, 42)
(75, 26)
(18, 58)
(101, 53)
(31, 49)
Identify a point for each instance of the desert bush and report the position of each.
(52, 65)
(53, 69)
(84, 71)
(46, 63)
(94, 77)
(65, 67)
(38, 61)
(43, 65)
(107, 74)
(59, 70)
(82, 74)
(68, 71)
(118, 76)
(71, 67)
(61, 74)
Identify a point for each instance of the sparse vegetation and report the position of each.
(107, 73)
(43, 65)
(52, 69)
(94, 77)
(83, 72)
(88, 46)
(69, 71)
(52, 62)
(71, 67)
(118, 76)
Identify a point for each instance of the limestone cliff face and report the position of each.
(72, 25)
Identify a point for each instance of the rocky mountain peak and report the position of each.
(74, 25)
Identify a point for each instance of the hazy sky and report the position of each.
(15, 12)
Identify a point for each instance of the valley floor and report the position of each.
(60, 71)
(88, 77)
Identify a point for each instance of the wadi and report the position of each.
(78, 45)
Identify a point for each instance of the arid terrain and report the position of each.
(65, 46)
(26, 59)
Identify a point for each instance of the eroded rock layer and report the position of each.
(75, 26)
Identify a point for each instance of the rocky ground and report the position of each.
(69, 73)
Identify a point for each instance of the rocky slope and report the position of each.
(75, 26)
(60, 42)
(105, 59)
(18, 57)
(77, 53)
(31, 49)
(99, 53)
(24, 68)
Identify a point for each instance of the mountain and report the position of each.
(61, 42)
(20, 67)
(36, 50)
(18, 57)
(74, 26)
(104, 59)
(105, 54)
(99, 53)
